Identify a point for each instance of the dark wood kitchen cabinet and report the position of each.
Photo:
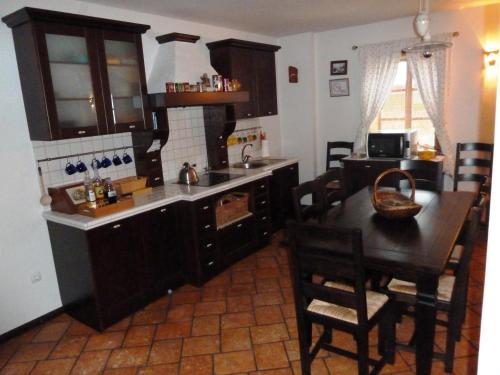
(282, 182)
(253, 64)
(80, 76)
(363, 172)
(107, 273)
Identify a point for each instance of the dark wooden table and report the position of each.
(414, 250)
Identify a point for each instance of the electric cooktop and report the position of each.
(214, 178)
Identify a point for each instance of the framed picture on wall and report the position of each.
(338, 68)
(339, 87)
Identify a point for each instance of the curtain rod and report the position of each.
(454, 34)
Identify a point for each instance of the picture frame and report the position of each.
(339, 87)
(338, 68)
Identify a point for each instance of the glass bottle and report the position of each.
(89, 190)
(98, 186)
(109, 191)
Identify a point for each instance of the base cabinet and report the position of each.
(363, 172)
(107, 273)
(282, 182)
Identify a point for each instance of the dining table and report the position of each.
(415, 249)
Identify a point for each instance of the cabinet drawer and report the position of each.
(206, 227)
(263, 218)
(261, 187)
(204, 209)
(207, 245)
(209, 264)
(261, 202)
(152, 160)
(155, 177)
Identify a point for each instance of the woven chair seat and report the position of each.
(456, 254)
(374, 302)
(445, 287)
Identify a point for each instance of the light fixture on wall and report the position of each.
(422, 23)
(490, 57)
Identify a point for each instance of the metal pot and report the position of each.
(188, 175)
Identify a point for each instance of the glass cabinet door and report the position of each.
(72, 84)
(123, 68)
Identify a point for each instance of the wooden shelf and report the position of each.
(190, 99)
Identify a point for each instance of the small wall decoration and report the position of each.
(339, 87)
(293, 74)
(338, 68)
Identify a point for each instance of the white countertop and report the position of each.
(169, 193)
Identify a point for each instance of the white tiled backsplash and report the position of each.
(186, 143)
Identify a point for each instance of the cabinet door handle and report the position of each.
(262, 186)
(239, 225)
(264, 234)
(154, 160)
(211, 263)
(163, 210)
(208, 245)
(249, 114)
(116, 226)
(269, 113)
(368, 166)
(131, 126)
(264, 218)
(205, 208)
(222, 146)
(157, 178)
(81, 132)
(292, 168)
(207, 226)
(220, 136)
(263, 202)
(224, 162)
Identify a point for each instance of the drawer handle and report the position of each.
(269, 113)
(157, 178)
(264, 234)
(224, 161)
(163, 210)
(220, 136)
(207, 226)
(154, 160)
(206, 208)
(249, 114)
(131, 126)
(239, 225)
(81, 132)
(264, 218)
(210, 264)
(368, 166)
(208, 245)
(262, 186)
(116, 226)
(263, 202)
(292, 168)
(223, 147)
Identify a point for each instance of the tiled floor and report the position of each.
(241, 322)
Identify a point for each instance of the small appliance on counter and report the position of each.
(393, 144)
(188, 175)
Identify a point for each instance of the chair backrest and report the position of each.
(333, 180)
(331, 253)
(428, 174)
(462, 272)
(316, 192)
(336, 157)
(482, 163)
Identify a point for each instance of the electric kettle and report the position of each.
(188, 175)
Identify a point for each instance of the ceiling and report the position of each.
(286, 17)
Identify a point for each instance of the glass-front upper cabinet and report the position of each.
(126, 82)
(80, 75)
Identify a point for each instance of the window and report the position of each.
(404, 110)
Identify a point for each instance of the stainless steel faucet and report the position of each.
(245, 157)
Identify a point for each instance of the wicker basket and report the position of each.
(394, 205)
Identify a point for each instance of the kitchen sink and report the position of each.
(250, 164)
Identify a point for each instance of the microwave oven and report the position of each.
(384, 144)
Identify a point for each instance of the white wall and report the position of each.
(24, 242)
(338, 118)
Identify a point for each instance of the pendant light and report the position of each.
(422, 24)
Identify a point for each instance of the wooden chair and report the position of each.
(314, 191)
(334, 183)
(481, 163)
(333, 253)
(332, 156)
(451, 294)
(428, 174)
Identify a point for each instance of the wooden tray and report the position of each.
(123, 204)
(130, 184)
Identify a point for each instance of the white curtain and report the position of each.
(379, 65)
(431, 76)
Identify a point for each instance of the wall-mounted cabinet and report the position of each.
(80, 76)
(253, 64)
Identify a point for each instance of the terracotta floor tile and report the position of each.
(22, 368)
(69, 346)
(180, 312)
(266, 273)
(463, 348)
(128, 357)
(292, 349)
(267, 285)
(201, 345)
(121, 325)
(242, 277)
(241, 290)
(205, 325)
(269, 298)
(465, 366)
(283, 371)
(52, 332)
(90, 363)
(168, 351)
(33, 352)
(209, 308)
(248, 263)
(80, 329)
(120, 371)
(197, 365)
(234, 362)
(269, 333)
(239, 304)
(267, 262)
(170, 369)
(159, 304)
(472, 334)
(186, 297)
(213, 294)
(7, 349)
(291, 324)
(63, 317)
(139, 336)
(54, 367)
(288, 310)
(109, 340)
(270, 356)
(145, 317)
(285, 282)
(235, 339)
(268, 314)
(237, 320)
(222, 279)
(172, 330)
(318, 367)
